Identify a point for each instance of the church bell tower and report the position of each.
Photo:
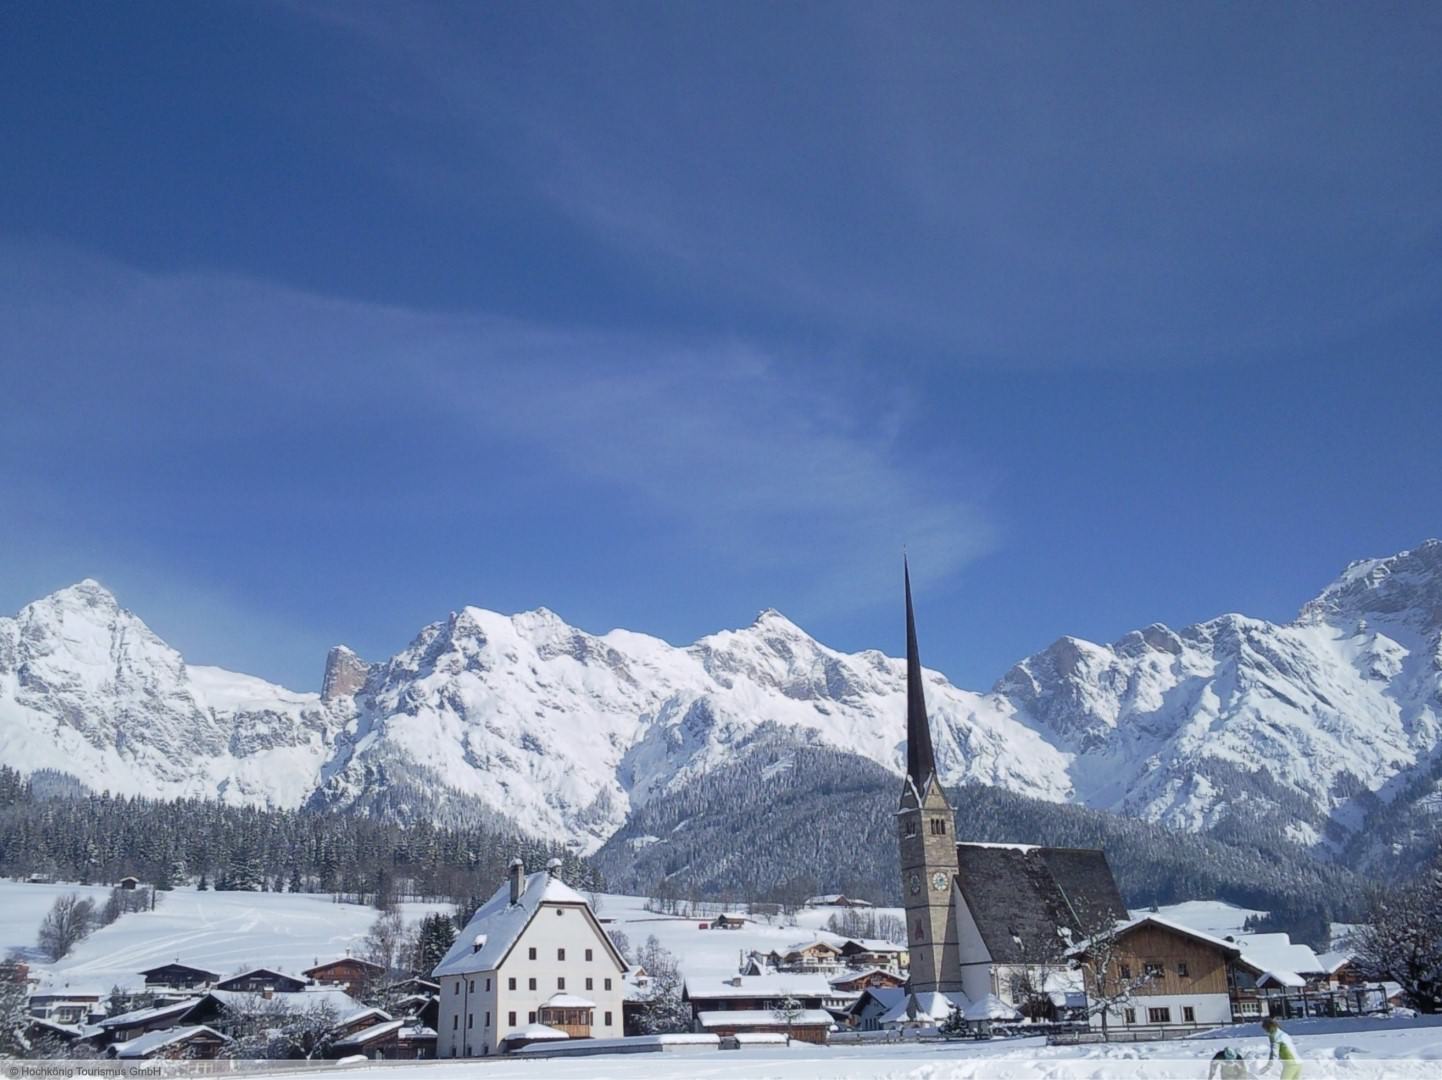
(928, 849)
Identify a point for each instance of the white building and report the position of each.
(533, 954)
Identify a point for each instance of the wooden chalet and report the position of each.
(138, 1022)
(351, 973)
(729, 920)
(389, 1040)
(178, 976)
(196, 1042)
(262, 980)
(872, 978)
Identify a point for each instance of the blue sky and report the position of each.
(324, 320)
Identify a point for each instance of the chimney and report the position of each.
(553, 868)
(518, 873)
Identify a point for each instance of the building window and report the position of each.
(607, 984)
(911, 826)
(532, 986)
(455, 1022)
(938, 826)
(511, 1019)
(561, 983)
(470, 1021)
(488, 986)
(589, 957)
(458, 988)
(488, 1019)
(1153, 969)
(560, 954)
(608, 1019)
(1189, 1014)
(1126, 971)
(531, 1017)
(590, 983)
(471, 986)
(1182, 969)
(560, 912)
(920, 931)
(1161, 1015)
(1129, 1016)
(511, 983)
(532, 952)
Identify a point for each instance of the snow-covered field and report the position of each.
(222, 931)
(229, 931)
(1383, 1050)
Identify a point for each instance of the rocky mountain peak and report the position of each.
(345, 674)
(1403, 589)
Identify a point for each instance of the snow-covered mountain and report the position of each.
(87, 689)
(1313, 724)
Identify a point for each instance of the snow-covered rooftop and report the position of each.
(502, 922)
(568, 1001)
(152, 1041)
(143, 1016)
(769, 986)
(710, 1018)
(367, 1034)
(1277, 952)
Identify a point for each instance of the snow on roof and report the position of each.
(928, 1006)
(537, 1032)
(501, 923)
(1127, 925)
(990, 1007)
(343, 960)
(852, 976)
(369, 1010)
(299, 1000)
(143, 1016)
(1276, 952)
(261, 971)
(367, 1034)
(885, 996)
(178, 964)
(152, 1041)
(1330, 962)
(777, 985)
(709, 1018)
(568, 1001)
(1282, 978)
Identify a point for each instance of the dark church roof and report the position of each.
(1019, 897)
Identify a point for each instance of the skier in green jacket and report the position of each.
(1282, 1049)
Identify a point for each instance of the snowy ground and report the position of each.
(224, 932)
(1395, 1050)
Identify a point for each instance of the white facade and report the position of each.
(1161, 1010)
(512, 958)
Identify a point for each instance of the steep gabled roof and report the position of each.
(1022, 898)
(1126, 926)
(498, 924)
(140, 1017)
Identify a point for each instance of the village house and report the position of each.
(811, 956)
(388, 1040)
(853, 982)
(66, 1008)
(533, 953)
(862, 953)
(762, 1003)
(837, 900)
(177, 976)
(350, 973)
(261, 980)
(138, 1022)
(1180, 976)
(729, 920)
(225, 1009)
(196, 1042)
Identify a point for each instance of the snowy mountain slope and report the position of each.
(86, 688)
(1314, 725)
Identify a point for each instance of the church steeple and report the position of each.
(920, 760)
(927, 850)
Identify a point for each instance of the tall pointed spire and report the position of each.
(920, 761)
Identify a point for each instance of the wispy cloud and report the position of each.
(762, 461)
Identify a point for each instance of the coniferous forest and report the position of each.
(101, 838)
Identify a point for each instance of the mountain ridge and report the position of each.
(1309, 727)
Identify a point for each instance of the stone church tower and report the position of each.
(928, 848)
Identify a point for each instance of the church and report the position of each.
(987, 924)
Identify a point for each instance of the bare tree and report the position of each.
(1403, 940)
(1111, 973)
(788, 1010)
(385, 941)
(68, 920)
(13, 996)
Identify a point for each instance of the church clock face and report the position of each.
(938, 881)
(915, 884)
